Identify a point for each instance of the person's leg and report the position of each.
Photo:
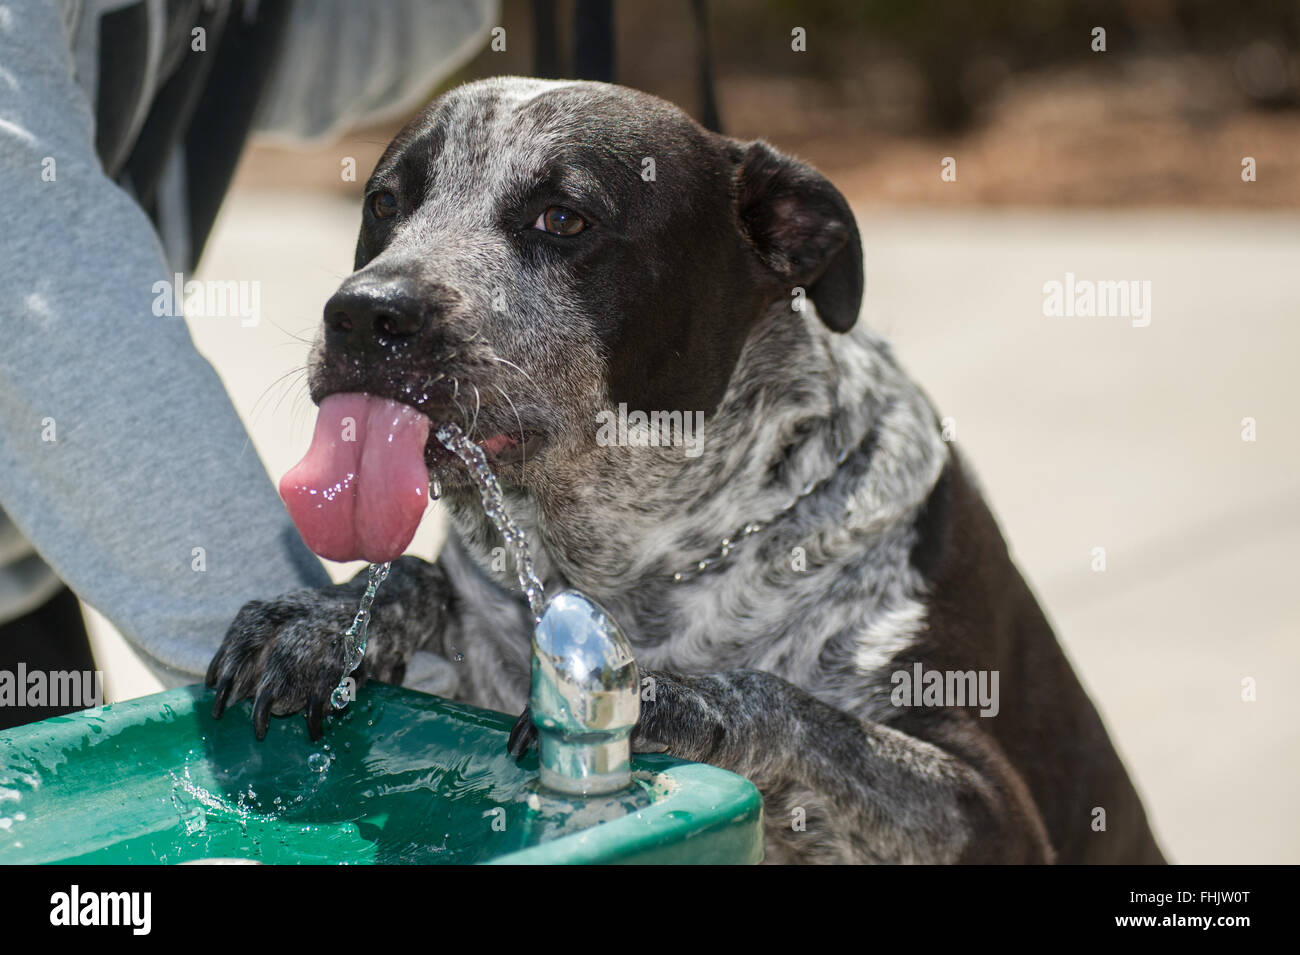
(51, 638)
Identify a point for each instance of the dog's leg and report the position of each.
(840, 789)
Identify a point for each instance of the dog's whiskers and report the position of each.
(527, 377)
(288, 379)
(523, 461)
(296, 338)
(454, 400)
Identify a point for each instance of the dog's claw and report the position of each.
(315, 713)
(523, 735)
(223, 693)
(262, 714)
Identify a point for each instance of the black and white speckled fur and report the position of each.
(777, 673)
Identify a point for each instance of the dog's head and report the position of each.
(532, 252)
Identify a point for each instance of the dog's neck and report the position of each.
(819, 436)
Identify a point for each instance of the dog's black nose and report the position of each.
(365, 316)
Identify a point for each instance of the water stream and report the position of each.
(356, 637)
(494, 505)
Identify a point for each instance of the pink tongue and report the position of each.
(361, 490)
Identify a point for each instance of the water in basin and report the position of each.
(402, 777)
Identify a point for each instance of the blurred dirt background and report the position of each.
(1010, 88)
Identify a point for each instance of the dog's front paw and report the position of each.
(288, 654)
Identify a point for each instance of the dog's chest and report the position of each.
(833, 630)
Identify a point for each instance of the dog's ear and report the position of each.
(802, 231)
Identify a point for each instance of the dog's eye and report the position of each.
(558, 220)
(383, 205)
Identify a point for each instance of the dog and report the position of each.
(533, 254)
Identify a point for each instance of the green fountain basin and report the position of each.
(400, 777)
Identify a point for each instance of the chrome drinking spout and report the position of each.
(585, 697)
